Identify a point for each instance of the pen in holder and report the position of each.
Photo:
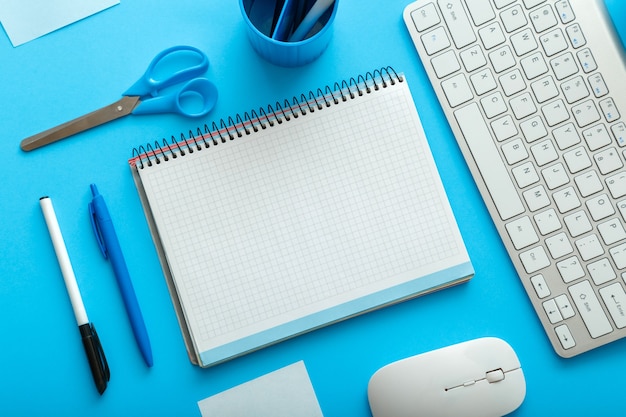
(289, 32)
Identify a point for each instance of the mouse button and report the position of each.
(496, 375)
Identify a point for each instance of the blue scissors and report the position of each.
(175, 65)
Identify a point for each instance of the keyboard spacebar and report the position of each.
(489, 161)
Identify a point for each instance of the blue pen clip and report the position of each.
(96, 227)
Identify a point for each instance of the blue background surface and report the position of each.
(89, 64)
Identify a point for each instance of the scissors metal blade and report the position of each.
(113, 111)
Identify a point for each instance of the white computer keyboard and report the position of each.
(534, 91)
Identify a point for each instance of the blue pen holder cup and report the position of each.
(260, 17)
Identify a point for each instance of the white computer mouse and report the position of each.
(478, 378)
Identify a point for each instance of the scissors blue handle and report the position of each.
(182, 65)
(175, 65)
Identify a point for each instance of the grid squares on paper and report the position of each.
(305, 215)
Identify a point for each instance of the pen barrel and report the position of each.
(114, 252)
(64, 260)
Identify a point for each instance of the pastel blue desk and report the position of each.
(89, 64)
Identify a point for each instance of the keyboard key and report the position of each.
(609, 110)
(586, 113)
(552, 311)
(473, 58)
(587, 61)
(435, 41)
(598, 86)
(577, 223)
(514, 151)
(600, 207)
(540, 286)
(513, 18)
(555, 112)
(458, 24)
(425, 17)
(480, 10)
(525, 175)
(536, 198)
(566, 199)
(534, 259)
(618, 254)
(615, 299)
(570, 269)
(617, 185)
(544, 89)
(565, 307)
(483, 81)
(445, 64)
(597, 137)
(564, 11)
(564, 66)
(601, 271)
(590, 309)
(522, 232)
(524, 42)
(589, 247)
(534, 129)
(543, 18)
(523, 106)
(534, 65)
(457, 90)
(576, 36)
(608, 161)
(553, 42)
(544, 152)
(575, 89)
(559, 245)
(619, 133)
(577, 160)
(566, 136)
(565, 336)
(588, 183)
(491, 35)
(512, 82)
(493, 105)
(504, 128)
(502, 59)
(555, 176)
(547, 221)
(487, 157)
(612, 231)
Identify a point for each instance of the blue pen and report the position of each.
(110, 247)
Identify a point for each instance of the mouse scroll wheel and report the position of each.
(496, 375)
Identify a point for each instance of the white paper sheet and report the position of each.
(25, 20)
(286, 392)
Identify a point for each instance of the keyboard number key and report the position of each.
(425, 17)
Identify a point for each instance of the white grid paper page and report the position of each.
(303, 216)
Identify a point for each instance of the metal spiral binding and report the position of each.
(250, 122)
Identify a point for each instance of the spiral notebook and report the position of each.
(299, 214)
